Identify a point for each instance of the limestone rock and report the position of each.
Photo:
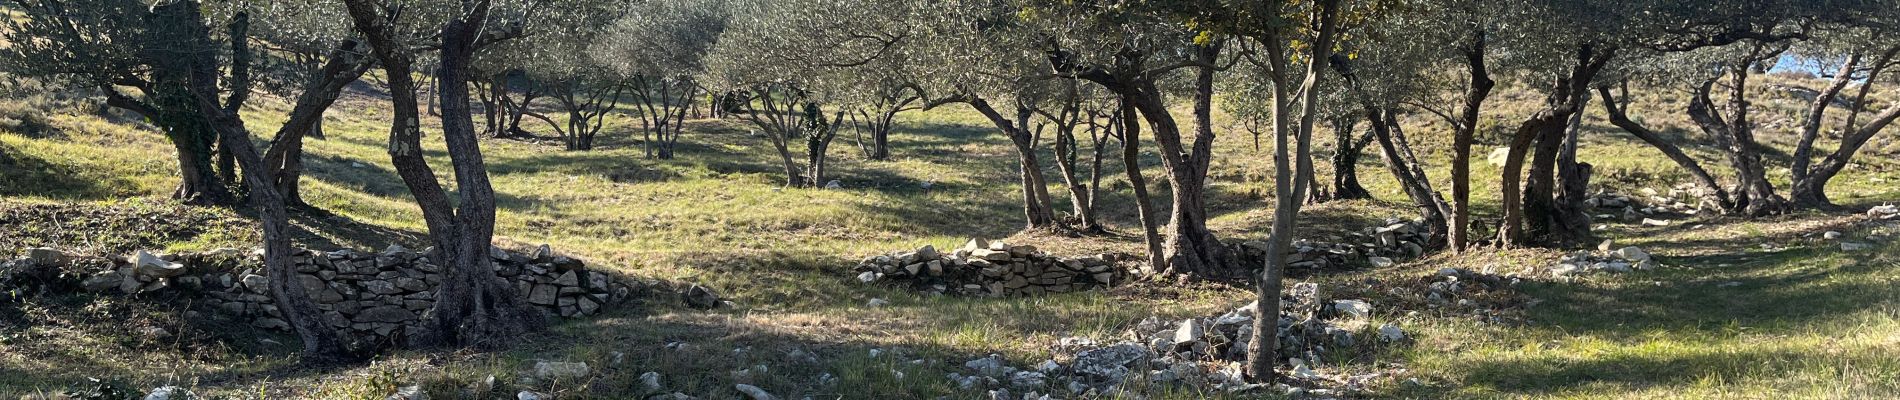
(1632, 254)
(1109, 364)
(701, 297)
(754, 392)
(561, 371)
(151, 266)
(1380, 262)
(650, 381)
(1353, 308)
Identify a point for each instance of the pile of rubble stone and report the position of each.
(378, 297)
(1613, 206)
(1204, 353)
(1376, 246)
(984, 268)
(1621, 260)
(1885, 211)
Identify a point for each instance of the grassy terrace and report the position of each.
(1745, 309)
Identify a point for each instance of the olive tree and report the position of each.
(112, 46)
(660, 48)
(474, 307)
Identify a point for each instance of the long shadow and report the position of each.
(22, 175)
(1526, 376)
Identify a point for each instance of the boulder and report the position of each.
(650, 381)
(1498, 156)
(168, 393)
(411, 392)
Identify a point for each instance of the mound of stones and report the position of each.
(376, 297)
(1621, 260)
(1885, 211)
(1611, 206)
(989, 269)
(1202, 353)
(1376, 246)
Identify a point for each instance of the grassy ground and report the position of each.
(1803, 319)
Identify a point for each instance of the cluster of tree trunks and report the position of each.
(474, 308)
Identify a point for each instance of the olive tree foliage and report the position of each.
(115, 47)
(190, 68)
(659, 48)
(798, 64)
(553, 63)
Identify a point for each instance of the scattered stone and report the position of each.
(150, 266)
(561, 371)
(46, 256)
(1391, 333)
(1108, 364)
(1855, 246)
(1632, 254)
(1353, 308)
(754, 392)
(1831, 235)
(169, 393)
(528, 395)
(650, 381)
(700, 297)
(1654, 222)
(411, 392)
(877, 302)
(1380, 262)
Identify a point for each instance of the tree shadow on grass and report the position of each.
(25, 175)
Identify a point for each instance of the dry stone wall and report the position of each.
(983, 268)
(375, 297)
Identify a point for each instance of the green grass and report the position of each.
(1808, 321)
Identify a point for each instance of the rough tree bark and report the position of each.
(1190, 248)
(284, 159)
(1130, 123)
(1713, 195)
(322, 344)
(1478, 88)
(1754, 196)
(474, 308)
(1810, 180)
(1545, 128)
(1067, 149)
(1400, 160)
(1345, 160)
(1037, 211)
(1290, 179)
